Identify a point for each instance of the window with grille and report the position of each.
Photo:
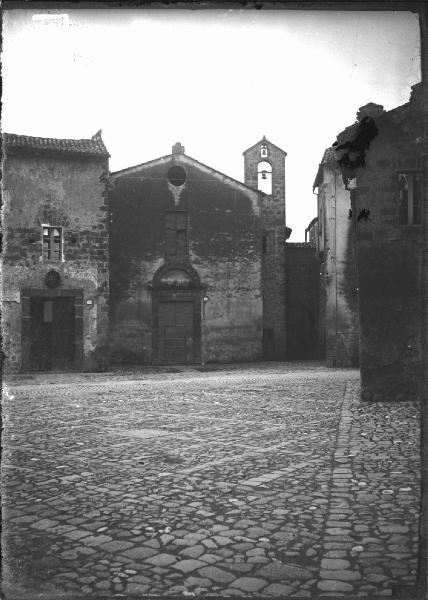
(410, 205)
(176, 232)
(52, 243)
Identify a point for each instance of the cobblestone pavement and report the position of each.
(265, 480)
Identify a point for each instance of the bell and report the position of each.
(264, 175)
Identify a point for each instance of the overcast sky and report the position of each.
(215, 80)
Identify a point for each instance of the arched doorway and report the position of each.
(176, 306)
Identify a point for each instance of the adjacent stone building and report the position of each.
(381, 161)
(55, 280)
(338, 309)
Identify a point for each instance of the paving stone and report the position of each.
(44, 524)
(161, 560)
(341, 574)
(216, 574)
(334, 563)
(200, 582)
(96, 540)
(221, 540)
(330, 585)
(193, 551)
(115, 546)
(279, 571)
(278, 589)
(77, 534)
(137, 588)
(186, 566)
(249, 584)
(140, 553)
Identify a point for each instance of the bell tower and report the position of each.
(264, 168)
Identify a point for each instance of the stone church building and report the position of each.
(169, 261)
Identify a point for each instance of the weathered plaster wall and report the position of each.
(389, 263)
(224, 248)
(339, 275)
(302, 301)
(60, 191)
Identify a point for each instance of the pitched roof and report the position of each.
(329, 157)
(88, 147)
(265, 141)
(184, 159)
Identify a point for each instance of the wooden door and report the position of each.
(176, 332)
(52, 333)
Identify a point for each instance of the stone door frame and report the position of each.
(26, 295)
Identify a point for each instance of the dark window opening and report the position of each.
(176, 175)
(176, 233)
(52, 243)
(410, 205)
(264, 244)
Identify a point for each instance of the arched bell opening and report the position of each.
(264, 177)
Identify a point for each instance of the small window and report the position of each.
(263, 151)
(410, 205)
(176, 232)
(52, 243)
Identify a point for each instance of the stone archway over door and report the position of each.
(176, 302)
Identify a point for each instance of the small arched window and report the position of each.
(264, 177)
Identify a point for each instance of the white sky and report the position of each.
(215, 80)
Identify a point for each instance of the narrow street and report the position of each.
(270, 479)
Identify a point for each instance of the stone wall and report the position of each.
(389, 258)
(63, 191)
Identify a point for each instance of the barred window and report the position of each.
(52, 243)
(176, 241)
(410, 205)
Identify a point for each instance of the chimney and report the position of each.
(178, 148)
(369, 110)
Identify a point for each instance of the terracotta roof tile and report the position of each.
(90, 147)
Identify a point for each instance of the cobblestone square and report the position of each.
(262, 480)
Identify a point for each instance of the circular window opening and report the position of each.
(176, 175)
